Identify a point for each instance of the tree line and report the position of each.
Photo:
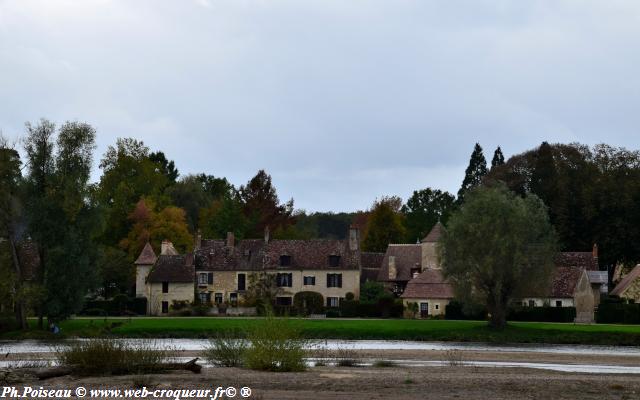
(88, 234)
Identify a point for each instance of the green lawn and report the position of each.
(437, 330)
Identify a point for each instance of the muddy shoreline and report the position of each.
(360, 383)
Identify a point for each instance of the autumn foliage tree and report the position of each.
(151, 225)
(384, 225)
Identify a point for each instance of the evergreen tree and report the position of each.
(474, 173)
(498, 158)
(166, 167)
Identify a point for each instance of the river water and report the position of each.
(46, 348)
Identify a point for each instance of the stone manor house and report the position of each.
(219, 272)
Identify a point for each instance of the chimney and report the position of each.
(354, 238)
(266, 234)
(188, 259)
(595, 251)
(230, 240)
(198, 241)
(164, 247)
(392, 268)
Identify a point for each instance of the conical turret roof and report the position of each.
(435, 233)
(147, 256)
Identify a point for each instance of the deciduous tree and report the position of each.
(496, 246)
(385, 225)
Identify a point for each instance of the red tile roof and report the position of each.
(255, 255)
(564, 281)
(583, 259)
(430, 284)
(147, 256)
(626, 281)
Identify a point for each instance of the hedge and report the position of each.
(116, 306)
(612, 313)
(385, 308)
(456, 311)
(542, 314)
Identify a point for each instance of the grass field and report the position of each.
(435, 330)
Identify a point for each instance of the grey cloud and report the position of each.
(341, 101)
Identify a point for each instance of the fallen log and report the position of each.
(54, 372)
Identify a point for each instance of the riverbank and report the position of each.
(443, 382)
(348, 329)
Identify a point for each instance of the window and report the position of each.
(284, 279)
(285, 261)
(210, 278)
(233, 299)
(309, 281)
(558, 303)
(218, 298)
(334, 280)
(242, 282)
(437, 306)
(165, 307)
(334, 261)
(532, 303)
(333, 302)
(202, 278)
(165, 287)
(204, 297)
(283, 301)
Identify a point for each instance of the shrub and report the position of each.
(371, 292)
(178, 305)
(275, 346)
(306, 303)
(225, 351)
(459, 311)
(347, 357)
(384, 364)
(111, 357)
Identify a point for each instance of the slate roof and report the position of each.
(255, 255)
(171, 268)
(430, 284)
(407, 256)
(147, 256)
(371, 263)
(626, 281)
(435, 233)
(584, 259)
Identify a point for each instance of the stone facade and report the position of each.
(159, 303)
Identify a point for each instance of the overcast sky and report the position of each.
(340, 101)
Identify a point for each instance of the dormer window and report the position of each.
(285, 261)
(334, 261)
